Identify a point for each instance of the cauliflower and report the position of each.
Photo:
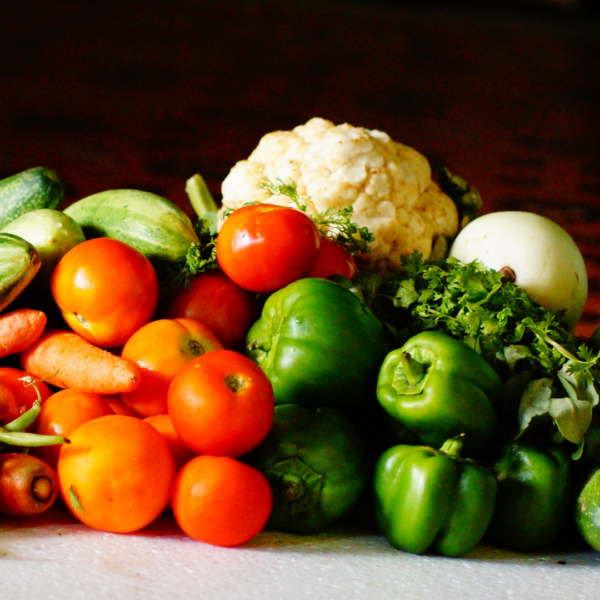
(387, 184)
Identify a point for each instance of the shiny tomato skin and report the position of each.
(62, 413)
(264, 247)
(19, 396)
(116, 474)
(105, 290)
(221, 501)
(221, 403)
(160, 348)
(333, 259)
(213, 298)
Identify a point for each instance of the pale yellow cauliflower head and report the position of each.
(388, 185)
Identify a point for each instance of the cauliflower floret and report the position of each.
(388, 185)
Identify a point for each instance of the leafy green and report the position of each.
(467, 199)
(554, 373)
(335, 223)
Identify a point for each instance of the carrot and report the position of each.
(19, 329)
(64, 359)
(28, 486)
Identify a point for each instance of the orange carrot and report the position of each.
(19, 329)
(28, 486)
(64, 359)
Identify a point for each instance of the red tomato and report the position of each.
(228, 309)
(105, 290)
(21, 396)
(181, 453)
(116, 474)
(62, 413)
(221, 501)
(160, 348)
(221, 403)
(333, 260)
(264, 247)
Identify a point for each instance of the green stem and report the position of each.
(453, 447)
(412, 368)
(31, 440)
(201, 200)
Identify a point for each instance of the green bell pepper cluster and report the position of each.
(447, 474)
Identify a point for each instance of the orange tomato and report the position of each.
(105, 290)
(221, 403)
(116, 474)
(221, 501)
(181, 453)
(213, 298)
(160, 348)
(21, 396)
(62, 413)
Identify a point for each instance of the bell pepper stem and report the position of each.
(412, 368)
(453, 447)
(293, 487)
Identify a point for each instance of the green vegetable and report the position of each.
(19, 263)
(29, 190)
(432, 499)
(498, 319)
(438, 387)
(467, 199)
(533, 502)
(52, 233)
(587, 510)
(13, 434)
(315, 464)
(319, 345)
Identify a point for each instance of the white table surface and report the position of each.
(55, 558)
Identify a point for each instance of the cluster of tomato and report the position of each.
(201, 404)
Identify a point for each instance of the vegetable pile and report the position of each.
(339, 340)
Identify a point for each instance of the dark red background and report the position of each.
(145, 93)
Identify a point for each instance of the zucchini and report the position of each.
(29, 190)
(52, 234)
(19, 262)
(150, 223)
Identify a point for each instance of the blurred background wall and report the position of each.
(145, 93)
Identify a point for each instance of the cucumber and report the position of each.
(29, 190)
(52, 233)
(150, 223)
(19, 262)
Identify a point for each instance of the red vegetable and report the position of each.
(28, 486)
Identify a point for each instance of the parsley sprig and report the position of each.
(335, 223)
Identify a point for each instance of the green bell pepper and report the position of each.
(319, 345)
(587, 510)
(533, 503)
(316, 466)
(438, 387)
(427, 499)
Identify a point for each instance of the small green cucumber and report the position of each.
(52, 233)
(150, 223)
(29, 190)
(19, 262)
